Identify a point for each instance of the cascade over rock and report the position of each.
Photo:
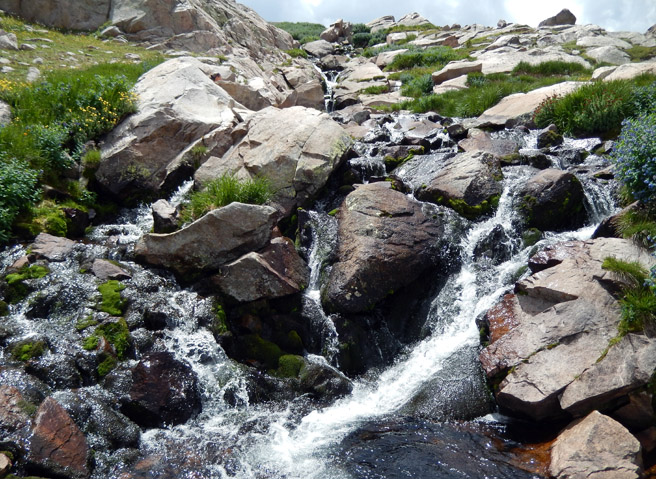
(385, 243)
(296, 149)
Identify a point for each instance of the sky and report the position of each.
(613, 15)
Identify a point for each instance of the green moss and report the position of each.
(333, 212)
(296, 53)
(115, 333)
(26, 350)
(219, 325)
(531, 236)
(262, 350)
(85, 323)
(27, 407)
(111, 301)
(4, 308)
(106, 366)
(294, 341)
(467, 210)
(289, 366)
(16, 289)
(8, 454)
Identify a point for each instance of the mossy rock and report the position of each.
(115, 333)
(531, 236)
(111, 301)
(471, 212)
(4, 308)
(16, 290)
(26, 350)
(261, 350)
(106, 366)
(289, 366)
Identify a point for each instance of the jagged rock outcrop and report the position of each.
(338, 32)
(385, 243)
(296, 149)
(583, 450)
(178, 104)
(381, 23)
(564, 17)
(554, 343)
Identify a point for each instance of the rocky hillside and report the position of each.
(439, 225)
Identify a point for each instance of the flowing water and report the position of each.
(299, 439)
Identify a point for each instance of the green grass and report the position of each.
(638, 225)
(376, 90)
(632, 273)
(640, 54)
(551, 68)
(297, 53)
(434, 57)
(304, 32)
(594, 109)
(223, 191)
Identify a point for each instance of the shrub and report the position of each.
(419, 86)
(431, 57)
(304, 32)
(550, 68)
(223, 191)
(635, 157)
(644, 99)
(18, 190)
(360, 28)
(296, 53)
(361, 39)
(594, 109)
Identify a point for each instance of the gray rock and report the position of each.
(337, 32)
(381, 23)
(53, 248)
(602, 41)
(33, 74)
(319, 48)
(385, 242)
(220, 236)
(273, 272)
(468, 183)
(583, 451)
(609, 54)
(455, 69)
(177, 104)
(412, 19)
(104, 270)
(5, 113)
(165, 217)
(296, 149)
(549, 136)
(631, 70)
(479, 140)
(8, 41)
(564, 17)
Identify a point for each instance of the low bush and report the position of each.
(223, 191)
(18, 191)
(361, 39)
(435, 57)
(360, 28)
(419, 86)
(635, 157)
(550, 68)
(296, 53)
(304, 32)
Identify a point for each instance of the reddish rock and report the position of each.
(51, 247)
(12, 416)
(502, 318)
(57, 445)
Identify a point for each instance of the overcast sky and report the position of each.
(616, 15)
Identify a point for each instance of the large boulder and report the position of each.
(274, 272)
(319, 48)
(337, 32)
(456, 69)
(163, 391)
(222, 235)
(479, 140)
(519, 107)
(57, 446)
(551, 341)
(564, 17)
(583, 450)
(553, 200)
(468, 182)
(178, 104)
(381, 23)
(609, 54)
(296, 149)
(412, 20)
(385, 242)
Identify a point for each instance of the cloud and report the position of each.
(636, 15)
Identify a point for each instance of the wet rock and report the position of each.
(165, 217)
(57, 371)
(13, 410)
(553, 200)
(96, 418)
(220, 236)
(496, 246)
(52, 248)
(468, 183)
(549, 137)
(564, 17)
(457, 132)
(583, 450)
(105, 270)
(77, 222)
(163, 391)
(57, 445)
(535, 158)
(479, 140)
(385, 242)
(177, 105)
(5, 464)
(275, 271)
(323, 382)
(32, 389)
(296, 149)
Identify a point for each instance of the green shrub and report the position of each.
(551, 68)
(18, 191)
(639, 225)
(111, 301)
(435, 57)
(593, 109)
(304, 32)
(296, 53)
(419, 86)
(644, 99)
(361, 39)
(360, 28)
(223, 191)
(376, 90)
